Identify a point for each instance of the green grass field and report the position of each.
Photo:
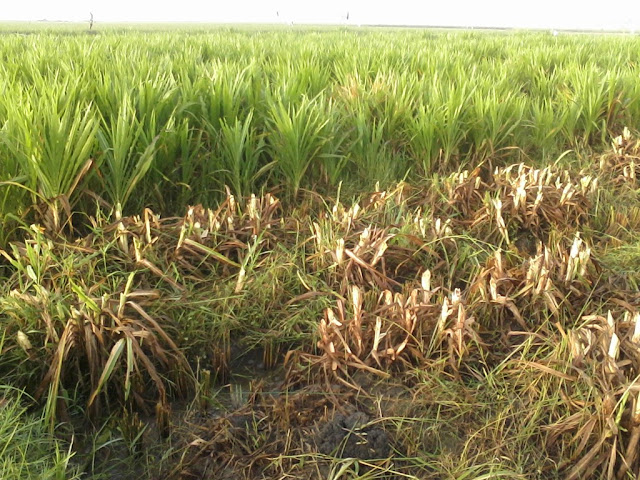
(271, 252)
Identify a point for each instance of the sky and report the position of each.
(552, 14)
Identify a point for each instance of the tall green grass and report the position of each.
(27, 451)
(169, 118)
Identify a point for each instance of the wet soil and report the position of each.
(353, 436)
(258, 426)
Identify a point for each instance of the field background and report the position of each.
(223, 248)
(317, 107)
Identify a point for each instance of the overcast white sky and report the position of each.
(583, 14)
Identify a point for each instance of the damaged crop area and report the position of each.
(339, 259)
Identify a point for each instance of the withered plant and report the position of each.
(520, 200)
(89, 331)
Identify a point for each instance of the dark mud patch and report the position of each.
(259, 426)
(353, 436)
(280, 434)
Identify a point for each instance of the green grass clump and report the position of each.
(27, 451)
